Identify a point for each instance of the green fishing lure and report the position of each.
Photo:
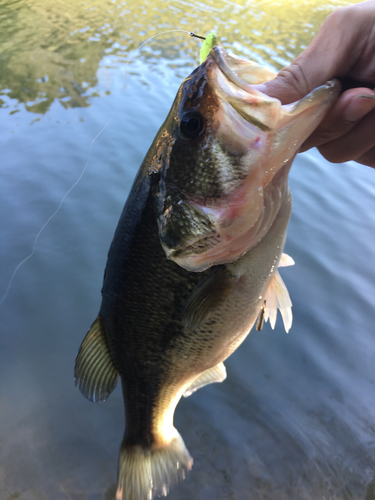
(208, 44)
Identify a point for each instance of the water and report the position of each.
(295, 418)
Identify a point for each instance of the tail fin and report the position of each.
(144, 473)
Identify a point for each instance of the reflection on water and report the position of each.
(296, 417)
(52, 49)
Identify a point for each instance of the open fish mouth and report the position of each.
(230, 160)
(221, 57)
(237, 89)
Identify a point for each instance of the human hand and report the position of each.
(343, 48)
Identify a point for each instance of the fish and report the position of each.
(193, 264)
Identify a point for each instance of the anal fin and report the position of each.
(217, 373)
(94, 372)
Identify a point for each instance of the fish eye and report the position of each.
(191, 125)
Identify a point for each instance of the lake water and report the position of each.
(295, 419)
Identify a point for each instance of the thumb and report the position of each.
(291, 83)
(325, 58)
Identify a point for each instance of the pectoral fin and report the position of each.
(94, 372)
(217, 373)
(205, 298)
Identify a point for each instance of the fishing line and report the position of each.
(86, 165)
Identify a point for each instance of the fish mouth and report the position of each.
(263, 136)
(234, 79)
(220, 56)
(213, 224)
(242, 73)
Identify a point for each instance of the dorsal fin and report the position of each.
(94, 372)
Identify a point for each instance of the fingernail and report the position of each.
(358, 107)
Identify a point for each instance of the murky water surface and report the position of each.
(295, 418)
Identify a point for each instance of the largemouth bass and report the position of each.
(194, 258)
